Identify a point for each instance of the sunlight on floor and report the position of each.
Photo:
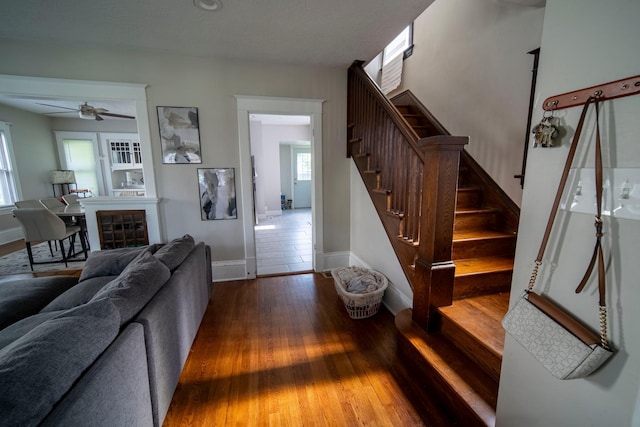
(265, 227)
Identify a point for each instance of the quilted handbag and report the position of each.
(563, 345)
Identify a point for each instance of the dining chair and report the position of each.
(52, 203)
(28, 204)
(71, 199)
(35, 204)
(40, 224)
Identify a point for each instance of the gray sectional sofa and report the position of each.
(106, 349)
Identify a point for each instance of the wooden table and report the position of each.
(74, 211)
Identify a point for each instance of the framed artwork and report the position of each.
(179, 134)
(217, 188)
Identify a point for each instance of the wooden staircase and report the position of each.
(453, 337)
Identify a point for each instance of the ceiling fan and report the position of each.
(89, 112)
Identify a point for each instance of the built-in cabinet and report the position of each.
(123, 155)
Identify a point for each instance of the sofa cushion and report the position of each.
(39, 368)
(24, 297)
(173, 253)
(110, 262)
(17, 330)
(79, 294)
(135, 286)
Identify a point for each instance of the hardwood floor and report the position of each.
(283, 351)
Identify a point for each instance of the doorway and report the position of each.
(248, 105)
(282, 171)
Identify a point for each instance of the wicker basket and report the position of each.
(359, 306)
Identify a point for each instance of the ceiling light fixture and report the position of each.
(211, 5)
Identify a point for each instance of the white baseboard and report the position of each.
(10, 235)
(394, 299)
(331, 260)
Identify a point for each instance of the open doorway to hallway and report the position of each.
(283, 243)
(282, 186)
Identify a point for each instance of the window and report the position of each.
(81, 159)
(402, 44)
(79, 152)
(392, 57)
(8, 178)
(303, 166)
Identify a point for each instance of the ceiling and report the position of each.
(318, 33)
(315, 33)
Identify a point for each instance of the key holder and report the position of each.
(604, 92)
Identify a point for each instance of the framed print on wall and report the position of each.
(217, 188)
(179, 134)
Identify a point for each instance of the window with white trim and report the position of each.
(386, 68)
(8, 179)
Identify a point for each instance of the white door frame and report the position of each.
(285, 106)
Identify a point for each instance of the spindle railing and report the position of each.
(413, 182)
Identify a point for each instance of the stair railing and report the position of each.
(419, 178)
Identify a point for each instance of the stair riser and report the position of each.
(474, 221)
(413, 120)
(486, 247)
(481, 284)
(475, 350)
(468, 199)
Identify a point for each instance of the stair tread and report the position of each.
(483, 265)
(457, 371)
(470, 211)
(480, 233)
(481, 317)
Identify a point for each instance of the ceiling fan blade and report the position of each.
(98, 118)
(121, 116)
(57, 106)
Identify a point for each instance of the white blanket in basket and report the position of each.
(359, 281)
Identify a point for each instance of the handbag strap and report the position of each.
(597, 252)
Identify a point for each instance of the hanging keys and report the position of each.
(546, 131)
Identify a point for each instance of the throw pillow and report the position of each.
(173, 253)
(22, 327)
(135, 286)
(110, 262)
(24, 297)
(79, 294)
(39, 368)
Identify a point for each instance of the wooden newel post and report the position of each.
(434, 268)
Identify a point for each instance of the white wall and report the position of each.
(584, 43)
(286, 183)
(34, 150)
(211, 86)
(471, 69)
(269, 179)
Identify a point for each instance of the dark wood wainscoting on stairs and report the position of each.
(460, 278)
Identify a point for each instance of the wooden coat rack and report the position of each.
(607, 91)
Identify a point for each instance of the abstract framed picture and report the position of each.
(179, 135)
(217, 188)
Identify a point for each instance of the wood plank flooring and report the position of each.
(282, 351)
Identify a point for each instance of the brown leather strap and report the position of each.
(563, 179)
(597, 251)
